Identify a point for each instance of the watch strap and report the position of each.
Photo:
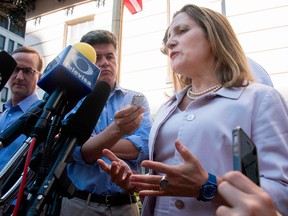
(209, 189)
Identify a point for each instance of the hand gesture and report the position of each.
(119, 171)
(183, 180)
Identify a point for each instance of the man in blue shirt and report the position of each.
(122, 128)
(23, 85)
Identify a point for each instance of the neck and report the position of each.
(15, 100)
(202, 86)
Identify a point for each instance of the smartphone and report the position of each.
(245, 157)
(137, 100)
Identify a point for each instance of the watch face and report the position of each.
(209, 191)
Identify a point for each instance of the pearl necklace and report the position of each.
(193, 95)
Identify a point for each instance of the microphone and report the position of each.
(7, 66)
(68, 78)
(72, 71)
(82, 123)
(77, 131)
(22, 125)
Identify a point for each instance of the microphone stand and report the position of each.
(10, 172)
(53, 111)
(59, 106)
(51, 188)
(11, 194)
(13, 166)
(51, 182)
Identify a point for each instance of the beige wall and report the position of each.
(261, 26)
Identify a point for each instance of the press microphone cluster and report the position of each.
(68, 78)
(7, 66)
(77, 131)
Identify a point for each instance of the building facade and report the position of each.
(261, 26)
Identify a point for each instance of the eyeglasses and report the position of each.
(25, 71)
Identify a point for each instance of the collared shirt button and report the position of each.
(190, 117)
(179, 204)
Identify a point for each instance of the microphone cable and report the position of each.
(25, 171)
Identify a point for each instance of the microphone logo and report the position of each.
(80, 63)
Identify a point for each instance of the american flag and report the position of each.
(134, 6)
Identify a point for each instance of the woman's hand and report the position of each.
(184, 180)
(119, 171)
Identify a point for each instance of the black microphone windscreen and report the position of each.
(83, 122)
(7, 66)
(22, 125)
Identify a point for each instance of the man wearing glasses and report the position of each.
(23, 85)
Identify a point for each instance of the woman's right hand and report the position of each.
(119, 171)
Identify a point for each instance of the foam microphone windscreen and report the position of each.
(7, 66)
(82, 123)
(86, 50)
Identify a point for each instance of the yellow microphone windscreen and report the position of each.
(86, 50)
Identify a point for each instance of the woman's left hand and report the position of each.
(183, 180)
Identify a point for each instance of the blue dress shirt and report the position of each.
(90, 177)
(8, 117)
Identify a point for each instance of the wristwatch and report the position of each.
(209, 189)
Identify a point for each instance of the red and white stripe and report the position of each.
(134, 6)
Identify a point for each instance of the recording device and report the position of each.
(77, 131)
(67, 78)
(72, 71)
(245, 157)
(22, 126)
(84, 120)
(137, 100)
(7, 66)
